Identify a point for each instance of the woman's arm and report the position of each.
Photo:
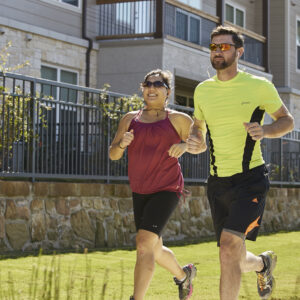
(123, 138)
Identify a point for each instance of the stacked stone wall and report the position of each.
(78, 215)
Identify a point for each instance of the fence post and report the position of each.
(281, 158)
(34, 122)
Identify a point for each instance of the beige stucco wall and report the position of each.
(41, 50)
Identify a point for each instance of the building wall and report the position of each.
(277, 42)
(46, 47)
(71, 216)
(295, 73)
(123, 64)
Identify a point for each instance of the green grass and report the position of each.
(108, 275)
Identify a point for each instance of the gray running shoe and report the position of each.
(185, 287)
(131, 298)
(265, 280)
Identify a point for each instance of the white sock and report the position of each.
(183, 279)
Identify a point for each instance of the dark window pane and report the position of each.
(51, 74)
(72, 2)
(229, 13)
(194, 30)
(181, 26)
(68, 95)
(239, 18)
(181, 100)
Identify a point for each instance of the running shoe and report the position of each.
(185, 287)
(265, 280)
(131, 298)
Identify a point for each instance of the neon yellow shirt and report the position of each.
(225, 106)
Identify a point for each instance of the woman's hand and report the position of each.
(126, 139)
(177, 150)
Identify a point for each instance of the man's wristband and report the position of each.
(119, 144)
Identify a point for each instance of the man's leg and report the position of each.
(231, 254)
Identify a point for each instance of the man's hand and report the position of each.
(196, 143)
(177, 150)
(255, 130)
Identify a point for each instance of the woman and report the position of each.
(153, 136)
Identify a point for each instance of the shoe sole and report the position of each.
(193, 275)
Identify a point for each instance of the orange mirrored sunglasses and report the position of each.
(222, 47)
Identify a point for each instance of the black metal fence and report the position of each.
(60, 131)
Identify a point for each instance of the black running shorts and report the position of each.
(152, 211)
(237, 202)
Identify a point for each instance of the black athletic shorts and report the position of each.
(152, 211)
(237, 202)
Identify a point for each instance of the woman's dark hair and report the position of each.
(237, 37)
(166, 76)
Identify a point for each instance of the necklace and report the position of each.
(155, 109)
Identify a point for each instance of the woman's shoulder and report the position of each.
(180, 116)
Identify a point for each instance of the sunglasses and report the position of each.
(222, 47)
(156, 84)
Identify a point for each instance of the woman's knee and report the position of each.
(146, 242)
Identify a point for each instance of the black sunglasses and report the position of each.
(156, 84)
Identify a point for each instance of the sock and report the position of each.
(265, 267)
(183, 279)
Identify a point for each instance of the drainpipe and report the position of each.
(90, 46)
(221, 11)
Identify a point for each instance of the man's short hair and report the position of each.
(237, 37)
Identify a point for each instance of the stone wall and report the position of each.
(77, 215)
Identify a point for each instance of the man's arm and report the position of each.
(196, 142)
(284, 123)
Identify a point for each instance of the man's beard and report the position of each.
(221, 65)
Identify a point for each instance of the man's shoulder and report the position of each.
(207, 82)
(254, 78)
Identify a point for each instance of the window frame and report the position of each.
(65, 5)
(189, 15)
(235, 7)
(297, 45)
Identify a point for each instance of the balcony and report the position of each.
(173, 20)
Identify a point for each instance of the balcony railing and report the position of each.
(69, 137)
(156, 19)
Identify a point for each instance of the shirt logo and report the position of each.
(245, 102)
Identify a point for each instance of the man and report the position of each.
(231, 105)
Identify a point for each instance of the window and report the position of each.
(192, 3)
(298, 44)
(235, 15)
(72, 4)
(135, 17)
(187, 26)
(184, 100)
(59, 75)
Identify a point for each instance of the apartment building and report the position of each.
(93, 42)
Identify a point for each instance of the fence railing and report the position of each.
(60, 131)
(139, 19)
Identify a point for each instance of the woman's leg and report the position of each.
(166, 259)
(146, 242)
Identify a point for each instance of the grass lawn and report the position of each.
(109, 275)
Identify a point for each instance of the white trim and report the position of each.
(65, 5)
(239, 7)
